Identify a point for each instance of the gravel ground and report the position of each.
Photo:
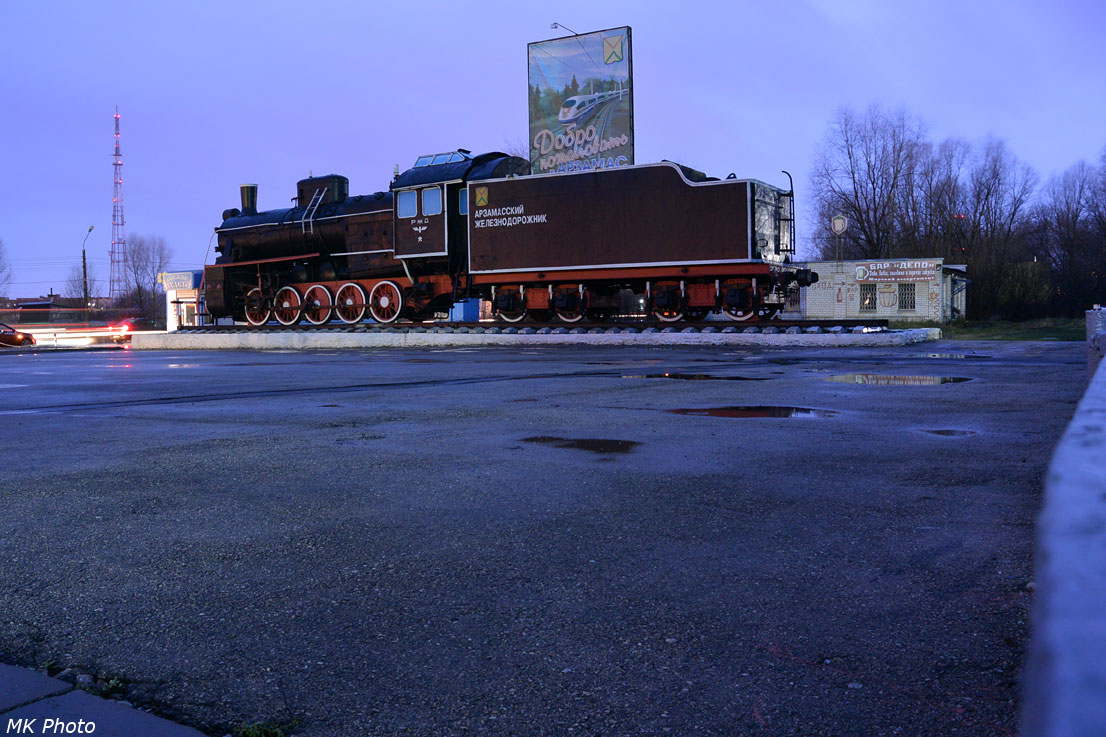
(511, 541)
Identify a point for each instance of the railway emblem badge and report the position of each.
(481, 196)
(612, 49)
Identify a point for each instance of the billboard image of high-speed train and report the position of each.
(575, 108)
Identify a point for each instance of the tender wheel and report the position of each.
(738, 300)
(256, 307)
(514, 316)
(570, 305)
(668, 302)
(317, 304)
(570, 315)
(287, 306)
(350, 303)
(385, 302)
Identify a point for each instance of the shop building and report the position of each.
(907, 290)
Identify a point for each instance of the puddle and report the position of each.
(950, 433)
(595, 445)
(885, 380)
(695, 377)
(742, 412)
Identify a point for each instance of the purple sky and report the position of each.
(216, 94)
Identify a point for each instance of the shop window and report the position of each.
(906, 297)
(867, 297)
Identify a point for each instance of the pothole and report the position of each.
(754, 411)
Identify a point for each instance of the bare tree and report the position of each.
(5, 268)
(1071, 237)
(865, 165)
(147, 256)
(75, 282)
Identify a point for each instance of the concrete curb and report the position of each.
(1065, 681)
(33, 703)
(319, 340)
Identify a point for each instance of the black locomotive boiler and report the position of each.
(456, 226)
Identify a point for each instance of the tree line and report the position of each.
(147, 256)
(1032, 250)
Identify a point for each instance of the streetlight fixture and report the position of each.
(84, 270)
(555, 26)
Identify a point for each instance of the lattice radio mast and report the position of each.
(118, 230)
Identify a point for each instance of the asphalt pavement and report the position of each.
(549, 541)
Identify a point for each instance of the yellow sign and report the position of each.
(612, 49)
(481, 196)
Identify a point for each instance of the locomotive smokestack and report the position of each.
(249, 199)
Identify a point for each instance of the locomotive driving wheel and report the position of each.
(350, 302)
(256, 307)
(385, 302)
(317, 304)
(287, 306)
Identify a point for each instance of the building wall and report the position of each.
(844, 288)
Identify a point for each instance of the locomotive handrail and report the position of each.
(308, 219)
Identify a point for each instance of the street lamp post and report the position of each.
(84, 270)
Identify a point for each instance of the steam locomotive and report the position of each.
(456, 226)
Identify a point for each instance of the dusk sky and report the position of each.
(215, 94)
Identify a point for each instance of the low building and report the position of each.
(182, 298)
(906, 290)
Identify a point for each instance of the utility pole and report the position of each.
(84, 270)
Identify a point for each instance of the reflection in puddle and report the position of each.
(755, 412)
(885, 380)
(950, 433)
(695, 377)
(595, 445)
(947, 355)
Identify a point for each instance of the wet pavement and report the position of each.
(522, 541)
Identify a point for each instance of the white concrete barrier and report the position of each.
(1065, 681)
(308, 340)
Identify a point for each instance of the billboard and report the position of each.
(581, 102)
(897, 271)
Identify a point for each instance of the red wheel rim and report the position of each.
(385, 302)
(287, 306)
(257, 313)
(316, 304)
(349, 303)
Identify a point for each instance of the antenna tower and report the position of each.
(118, 231)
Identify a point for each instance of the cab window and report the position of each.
(406, 204)
(463, 202)
(432, 201)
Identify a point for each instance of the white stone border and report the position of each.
(309, 340)
(1065, 681)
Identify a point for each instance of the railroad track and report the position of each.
(550, 327)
